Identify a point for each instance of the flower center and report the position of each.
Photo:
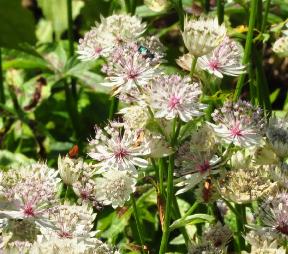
(121, 153)
(202, 168)
(29, 211)
(174, 101)
(236, 132)
(98, 50)
(283, 228)
(132, 74)
(64, 234)
(213, 64)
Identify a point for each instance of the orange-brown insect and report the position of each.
(73, 152)
(207, 190)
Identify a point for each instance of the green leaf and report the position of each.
(56, 12)
(191, 219)
(274, 95)
(8, 158)
(16, 24)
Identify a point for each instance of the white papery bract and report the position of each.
(128, 69)
(70, 221)
(280, 46)
(277, 133)
(202, 35)
(239, 123)
(172, 96)
(110, 33)
(115, 187)
(118, 149)
(33, 193)
(225, 59)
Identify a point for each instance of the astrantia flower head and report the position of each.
(280, 46)
(274, 213)
(218, 235)
(225, 59)
(202, 35)
(277, 133)
(118, 149)
(110, 33)
(70, 169)
(239, 123)
(173, 96)
(115, 187)
(70, 221)
(128, 69)
(135, 117)
(34, 192)
(246, 184)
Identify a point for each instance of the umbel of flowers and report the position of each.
(226, 155)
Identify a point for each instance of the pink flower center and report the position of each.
(98, 50)
(84, 195)
(213, 64)
(121, 153)
(29, 211)
(174, 101)
(204, 167)
(132, 74)
(64, 234)
(236, 132)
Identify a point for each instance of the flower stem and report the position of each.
(191, 209)
(138, 224)
(71, 42)
(240, 221)
(179, 8)
(248, 47)
(193, 66)
(113, 107)
(161, 175)
(165, 236)
(2, 93)
(264, 20)
(207, 6)
(220, 11)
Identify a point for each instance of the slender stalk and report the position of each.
(71, 42)
(127, 5)
(2, 93)
(193, 66)
(220, 11)
(240, 221)
(248, 47)
(161, 175)
(133, 4)
(113, 107)
(207, 6)
(72, 110)
(179, 8)
(191, 209)
(165, 236)
(138, 224)
(266, 11)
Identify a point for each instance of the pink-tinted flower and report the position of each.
(172, 96)
(128, 69)
(118, 149)
(239, 123)
(225, 59)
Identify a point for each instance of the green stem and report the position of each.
(138, 224)
(265, 16)
(133, 4)
(179, 9)
(191, 209)
(248, 47)
(161, 175)
(71, 42)
(2, 93)
(113, 107)
(193, 66)
(165, 236)
(207, 6)
(127, 6)
(72, 110)
(220, 11)
(240, 221)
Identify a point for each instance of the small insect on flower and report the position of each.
(73, 152)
